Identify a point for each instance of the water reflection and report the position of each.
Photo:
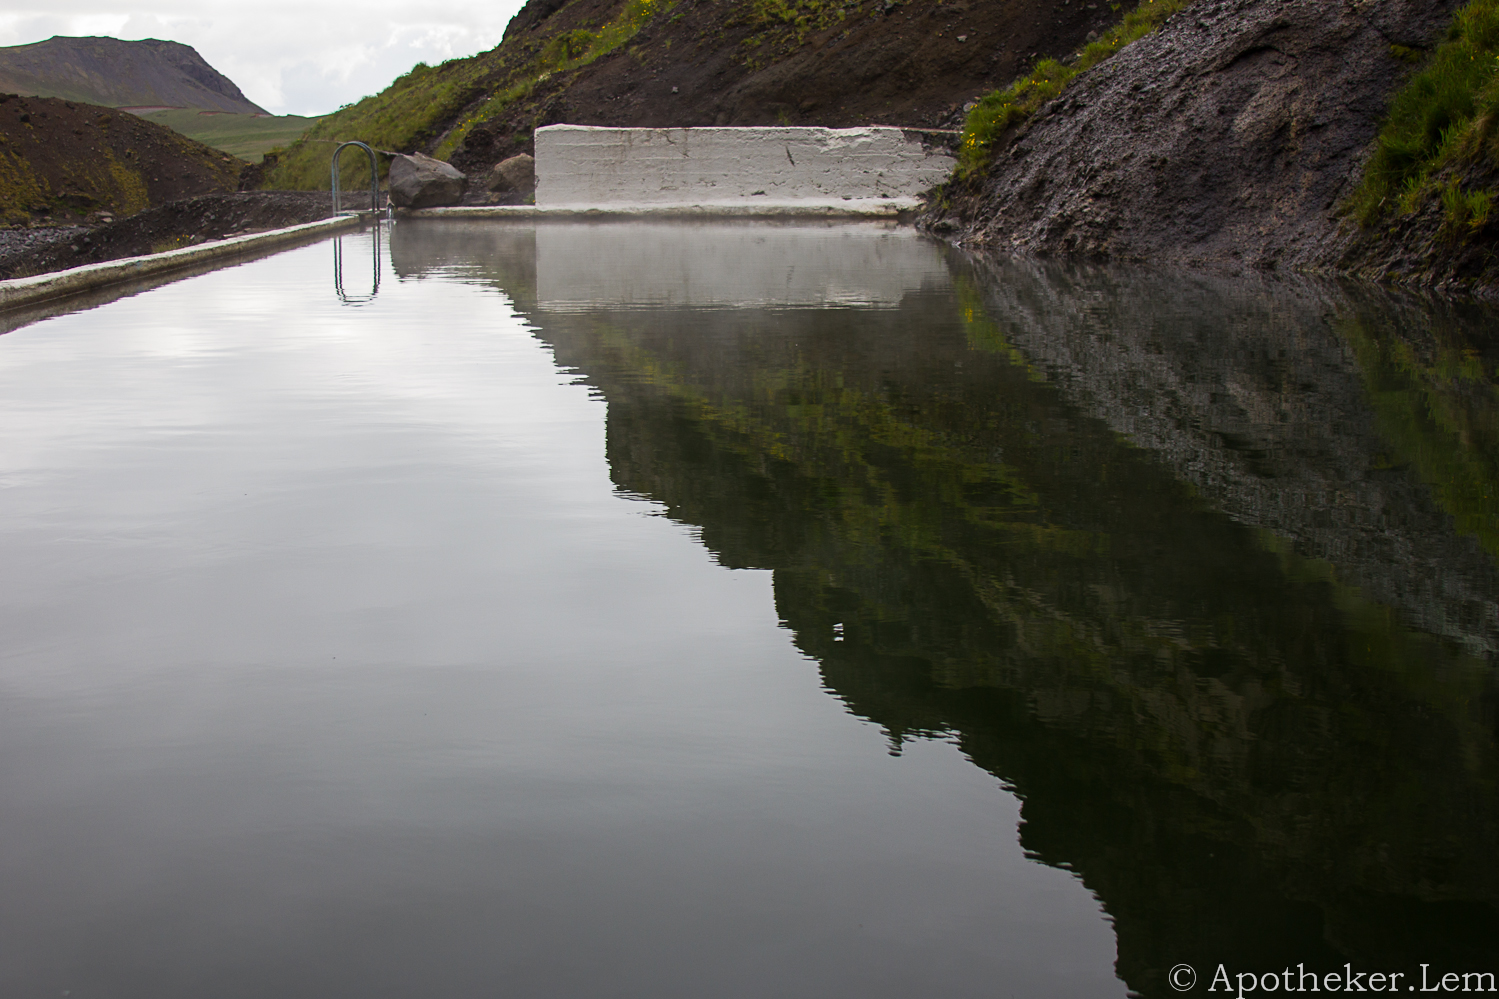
(570, 267)
(1204, 569)
(373, 236)
(729, 266)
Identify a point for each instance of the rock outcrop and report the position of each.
(418, 181)
(1227, 137)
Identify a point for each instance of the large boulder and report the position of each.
(418, 181)
(518, 174)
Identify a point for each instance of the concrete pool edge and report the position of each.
(19, 292)
(858, 208)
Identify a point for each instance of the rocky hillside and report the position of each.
(117, 73)
(705, 62)
(1233, 136)
(1225, 133)
(61, 161)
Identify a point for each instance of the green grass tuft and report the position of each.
(1465, 211)
(1445, 117)
(1001, 110)
(804, 17)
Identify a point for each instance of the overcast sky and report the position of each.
(288, 56)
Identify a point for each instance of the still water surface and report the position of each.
(629, 610)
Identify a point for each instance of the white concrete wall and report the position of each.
(586, 165)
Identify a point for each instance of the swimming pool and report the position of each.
(659, 610)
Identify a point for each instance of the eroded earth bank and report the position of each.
(1232, 137)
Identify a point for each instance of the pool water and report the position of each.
(741, 610)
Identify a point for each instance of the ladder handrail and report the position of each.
(374, 175)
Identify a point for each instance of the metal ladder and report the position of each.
(374, 177)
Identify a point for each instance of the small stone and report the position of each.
(962, 38)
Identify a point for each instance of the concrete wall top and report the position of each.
(590, 165)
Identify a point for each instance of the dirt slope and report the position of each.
(710, 63)
(704, 62)
(62, 161)
(1229, 137)
(117, 73)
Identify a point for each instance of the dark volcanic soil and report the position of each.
(61, 161)
(1228, 138)
(24, 252)
(911, 63)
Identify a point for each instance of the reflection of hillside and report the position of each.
(1294, 409)
(1249, 761)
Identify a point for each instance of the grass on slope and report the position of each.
(409, 113)
(568, 51)
(1000, 110)
(1445, 120)
(246, 136)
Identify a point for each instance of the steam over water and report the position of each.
(742, 610)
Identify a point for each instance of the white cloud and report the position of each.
(288, 57)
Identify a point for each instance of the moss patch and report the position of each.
(20, 189)
(127, 188)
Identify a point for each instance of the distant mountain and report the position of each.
(115, 73)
